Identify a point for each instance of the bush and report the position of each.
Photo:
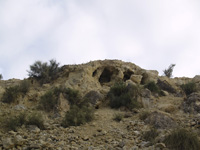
(21, 118)
(10, 123)
(77, 116)
(49, 101)
(72, 96)
(44, 72)
(24, 86)
(11, 94)
(118, 117)
(182, 139)
(168, 72)
(1, 77)
(122, 95)
(152, 87)
(150, 135)
(36, 118)
(14, 122)
(189, 88)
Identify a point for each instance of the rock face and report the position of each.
(100, 75)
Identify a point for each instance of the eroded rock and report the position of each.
(160, 120)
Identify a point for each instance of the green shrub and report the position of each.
(35, 118)
(49, 101)
(13, 122)
(77, 116)
(150, 135)
(122, 95)
(168, 72)
(152, 87)
(21, 118)
(10, 123)
(189, 88)
(24, 86)
(118, 117)
(182, 139)
(11, 94)
(72, 96)
(44, 72)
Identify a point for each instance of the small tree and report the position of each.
(44, 72)
(1, 77)
(168, 72)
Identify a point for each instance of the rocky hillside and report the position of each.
(101, 105)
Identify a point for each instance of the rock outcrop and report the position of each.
(93, 80)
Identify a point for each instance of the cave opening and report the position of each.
(106, 76)
(127, 74)
(94, 73)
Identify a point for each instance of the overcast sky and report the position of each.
(150, 33)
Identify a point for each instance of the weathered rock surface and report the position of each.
(192, 103)
(160, 120)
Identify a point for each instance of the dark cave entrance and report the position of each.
(106, 76)
(127, 75)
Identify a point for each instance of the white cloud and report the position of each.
(151, 34)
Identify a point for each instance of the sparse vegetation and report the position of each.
(189, 88)
(35, 118)
(10, 123)
(77, 116)
(13, 122)
(182, 139)
(11, 94)
(122, 95)
(118, 117)
(168, 72)
(49, 101)
(150, 135)
(72, 96)
(24, 86)
(152, 87)
(44, 72)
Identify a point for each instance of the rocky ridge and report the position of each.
(94, 80)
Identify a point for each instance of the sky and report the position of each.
(149, 33)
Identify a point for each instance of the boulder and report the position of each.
(192, 103)
(160, 120)
(18, 140)
(149, 75)
(167, 85)
(146, 98)
(7, 143)
(95, 98)
(196, 79)
(136, 78)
